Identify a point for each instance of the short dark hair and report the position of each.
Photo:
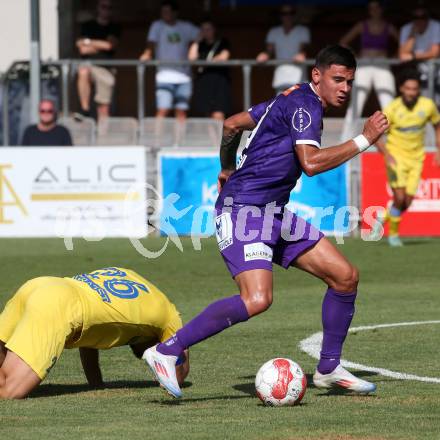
(409, 75)
(335, 54)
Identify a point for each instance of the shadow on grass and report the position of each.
(338, 391)
(47, 390)
(414, 242)
(249, 390)
(176, 402)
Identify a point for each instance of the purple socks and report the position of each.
(337, 313)
(214, 319)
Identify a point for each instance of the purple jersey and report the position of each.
(269, 168)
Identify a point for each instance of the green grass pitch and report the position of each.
(219, 403)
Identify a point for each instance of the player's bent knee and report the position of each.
(347, 280)
(258, 302)
(9, 393)
(355, 277)
(19, 387)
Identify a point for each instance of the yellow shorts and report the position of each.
(38, 319)
(405, 174)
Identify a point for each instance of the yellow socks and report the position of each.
(394, 225)
(393, 215)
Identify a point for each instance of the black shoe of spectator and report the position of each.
(81, 115)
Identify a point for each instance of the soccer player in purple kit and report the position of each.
(254, 230)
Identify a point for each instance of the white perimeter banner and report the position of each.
(90, 192)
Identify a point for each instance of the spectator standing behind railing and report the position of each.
(98, 40)
(287, 41)
(169, 40)
(212, 89)
(47, 132)
(420, 42)
(375, 35)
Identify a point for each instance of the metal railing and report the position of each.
(68, 66)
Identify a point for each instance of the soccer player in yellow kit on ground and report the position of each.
(103, 309)
(404, 152)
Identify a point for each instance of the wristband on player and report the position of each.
(361, 142)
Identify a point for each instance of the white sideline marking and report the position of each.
(312, 346)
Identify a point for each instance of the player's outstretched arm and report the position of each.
(90, 363)
(233, 128)
(314, 160)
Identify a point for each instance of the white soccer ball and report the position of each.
(280, 382)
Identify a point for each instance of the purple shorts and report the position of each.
(251, 237)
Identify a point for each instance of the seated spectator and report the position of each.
(375, 35)
(98, 40)
(212, 89)
(169, 40)
(420, 42)
(287, 42)
(47, 133)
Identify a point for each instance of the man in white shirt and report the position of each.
(169, 40)
(287, 42)
(420, 42)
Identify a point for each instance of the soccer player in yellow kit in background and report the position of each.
(404, 151)
(99, 310)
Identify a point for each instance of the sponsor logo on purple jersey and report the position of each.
(269, 168)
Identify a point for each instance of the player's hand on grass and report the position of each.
(375, 126)
(223, 178)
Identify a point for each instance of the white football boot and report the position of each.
(164, 369)
(340, 377)
(395, 241)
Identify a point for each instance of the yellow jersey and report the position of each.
(407, 126)
(120, 307)
(102, 309)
